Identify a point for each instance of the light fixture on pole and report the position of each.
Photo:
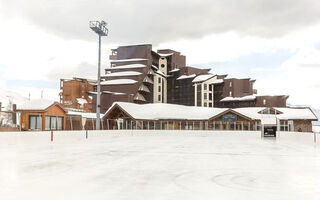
(101, 29)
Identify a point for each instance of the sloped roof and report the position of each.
(36, 104)
(202, 78)
(172, 111)
(167, 111)
(119, 82)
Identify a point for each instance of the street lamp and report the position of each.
(101, 29)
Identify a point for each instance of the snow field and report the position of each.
(158, 165)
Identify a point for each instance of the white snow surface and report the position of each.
(114, 93)
(156, 111)
(128, 60)
(154, 165)
(118, 82)
(245, 98)
(174, 70)
(130, 66)
(36, 104)
(81, 101)
(203, 77)
(7, 95)
(124, 73)
(186, 76)
(84, 114)
(165, 54)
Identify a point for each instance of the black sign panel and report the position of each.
(229, 118)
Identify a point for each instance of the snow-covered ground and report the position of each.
(159, 165)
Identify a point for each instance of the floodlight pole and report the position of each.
(98, 88)
(101, 30)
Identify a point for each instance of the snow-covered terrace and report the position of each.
(119, 82)
(129, 66)
(128, 60)
(124, 73)
(245, 98)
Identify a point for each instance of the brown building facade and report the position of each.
(75, 93)
(140, 75)
(42, 115)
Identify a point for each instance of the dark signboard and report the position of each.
(229, 118)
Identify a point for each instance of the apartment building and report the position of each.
(138, 74)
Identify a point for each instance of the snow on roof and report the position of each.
(172, 111)
(124, 73)
(245, 98)
(84, 114)
(155, 67)
(269, 120)
(186, 76)
(167, 111)
(287, 113)
(130, 66)
(114, 93)
(128, 60)
(162, 74)
(203, 77)
(81, 101)
(165, 54)
(118, 82)
(36, 104)
(174, 70)
(218, 81)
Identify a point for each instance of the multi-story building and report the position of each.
(75, 93)
(140, 75)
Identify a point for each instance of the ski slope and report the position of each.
(159, 165)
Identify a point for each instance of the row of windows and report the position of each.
(51, 123)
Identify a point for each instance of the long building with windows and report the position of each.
(159, 116)
(138, 74)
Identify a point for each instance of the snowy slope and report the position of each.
(7, 95)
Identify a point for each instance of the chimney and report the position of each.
(14, 113)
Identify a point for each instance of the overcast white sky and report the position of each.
(274, 41)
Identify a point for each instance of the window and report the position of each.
(264, 102)
(210, 87)
(205, 104)
(159, 88)
(205, 96)
(159, 80)
(35, 122)
(210, 104)
(210, 96)
(162, 65)
(54, 123)
(230, 84)
(159, 97)
(230, 94)
(205, 87)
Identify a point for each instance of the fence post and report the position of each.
(86, 134)
(51, 138)
(314, 137)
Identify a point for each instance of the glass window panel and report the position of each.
(59, 123)
(53, 123)
(32, 122)
(47, 123)
(38, 123)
